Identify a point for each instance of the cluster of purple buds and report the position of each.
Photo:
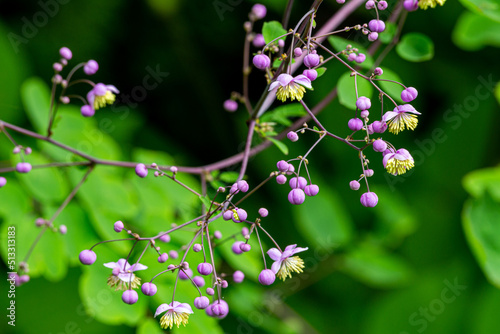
(299, 185)
(381, 5)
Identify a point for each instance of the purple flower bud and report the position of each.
(258, 41)
(130, 297)
(118, 226)
(165, 237)
(204, 268)
(267, 277)
(263, 212)
(210, 291)
(3, 181)
(199, 281)
(241, 215)
(378, 71)
(360, 58)
(364, 114)
(370, 4)
(376, 25)
(163, 258)
(311, 60)
(281, 179)
(221, 190)
(16, 150)
(341, 2)
(245, 247)
(57, 67)
(224, 284)
(373, 36)
(23, 167)
(230, 105)
(24, 279)
(234, 189)
(369, 199)
(351, 57)
(149, 289)
(40, 222)
(259, 11)
(217, 235)
(228, 215)
(363, 103)
(243, 186)
(141, 170)
(297, 52)
(63, 229)
(369, 130)
(87, 257)
(311, 190)
(291, 169)
(292, 136)
(173, 254)
(379, 145)
(410, 5)
(281, 43)
(87, 111)
(65, 53)
(184, 275)
(201, 302)
(354, 185)
(245, 231)
(261, 61)
(91, 67)
(355, 124)
(282, 166)
(296, 196)
(236, 247)
(369, 172)
(238, 276)
(382, 5)
(197, 247)
(173, 169)
(379, 127)
(409, 94)
(311, 74)
(299, 182)
(220, 308)
(27, 150)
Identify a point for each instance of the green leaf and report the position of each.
(272, 30)
(488, 8)
(340, 44)
(473, 32)
(347, 92)
(324, 221)
(391, 88)
(282, 114)
(229, 177)
(497, 92)
(36, 100)
(479, 182)
(150, 326)
(282, 146)
(482, 227)
(205, 200)
(387, 35)
(415, 47)
(321, 71)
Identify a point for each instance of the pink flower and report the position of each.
(101, 95)
(290, 87)
(123, 274)
(284, 264)
(401, 116)
(177, 313)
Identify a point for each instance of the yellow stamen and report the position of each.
(424, 4)
(398, 167)
(100, 101)
(171, 318)
(292, 91)
(118, 284)
(290, 265)
(398, 123)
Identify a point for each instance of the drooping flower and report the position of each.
(401, 116)
(290, 87)
(424, 4)
(284, 263)
(101, 95)
(123, 274)
(398, 162)
(177, 313)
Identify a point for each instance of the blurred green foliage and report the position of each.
(402, 267)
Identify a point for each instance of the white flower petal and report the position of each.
(276, 266)
(389, 115)
(284, 79)
(303, 80)
(274, 254)
(299, 249)
(138, 266)
(162, 308)
(183, 308)
(111, 265)
(274, 85)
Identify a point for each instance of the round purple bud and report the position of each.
(65, 53)
(40, 222)
(370, 4)
(369, 199)
(185, 274)
(409, 94)
(16, 150)
(23, 167)
(373, 36)
(238, 276)
(382, 5)
(219, 308)
(281, 43)
(57, 67)
(379, 145)
(376, 25)
(354, 185)
(210, 291)
(364, 114)
(351, 57)
(297, 52)
(165, 237)
(291, 169)
(173, 169)
(281, 179)
(379, 127)
(311, 74)
(87, 111)
(228, 215)
(91, 67)
(410, 5)
(199, 281)
(311, 190)
(173, 254)
(141, 170)
(241, 215)
(118, 226)
(378, 71)
(267, 277)
(259, 41)
(230, 105)
(296, 196)
(282, 166)
(217, 235)
(355, 124)
(87, 257)
(236, 247)
(130, 297)
(292, 136)
(245, 231)
(27, 150)
(360, 58)
(261, 61)
(3, 181)
(197, 247)
(243, 186)
(369, 172)
(163, 258)
(259, 11)
(311, 60)
(263, 212)
(363, 103)
(24, 279)
(149, 289)
(201, 302)
(299, 182)
(63, 229)
(245, 247)
(204, 268)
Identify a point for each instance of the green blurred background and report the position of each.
(385, 270)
